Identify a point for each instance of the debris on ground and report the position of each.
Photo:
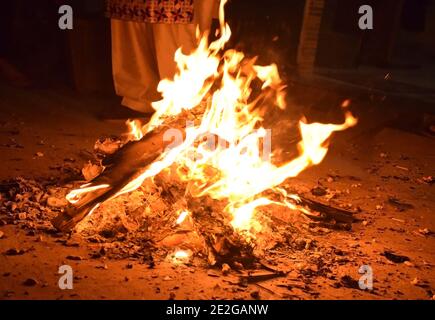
(318, 191)
(57, 202)
(91, 170)
(225, 269)
(424, 231)
(348, 282)
(394, 257)
(428, 179)
(399, 205)
(107, 146)
(30, 282)
(14, 252)
(74, 258)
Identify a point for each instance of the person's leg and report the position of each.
(134, 65)
(169, 37)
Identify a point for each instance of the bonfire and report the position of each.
(208, 159)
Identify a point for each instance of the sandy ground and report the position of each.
(365, 170)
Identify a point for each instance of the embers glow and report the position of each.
(75, 195)
(182, 216)
(181, 256)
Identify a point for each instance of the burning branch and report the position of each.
(127, 164)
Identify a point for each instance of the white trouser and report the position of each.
(143, 54)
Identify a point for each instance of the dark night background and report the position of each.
(271, 29)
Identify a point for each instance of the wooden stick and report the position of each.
(120, 168)
(329, 212)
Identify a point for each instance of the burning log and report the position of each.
(221, 242)
(123, 166)
(328, 212)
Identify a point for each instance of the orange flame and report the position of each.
(135, 130)
(234, 169)
(182, 216)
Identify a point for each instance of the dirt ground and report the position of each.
(383, 172)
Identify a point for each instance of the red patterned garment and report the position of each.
(151, 11)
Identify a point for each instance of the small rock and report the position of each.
(74, 258)
(354, 245)
(31, 233)
(408, 263)
(107, 146)
(1, 234)
(30, 282)
(90, 171)
(339, 252)
(212, 273)
(39, 154)
(399, 205)
(171, 296)
(348, 282)
(415, 281)
(225, 269)
(424, 231)
(300, 244)
(129, 265)
(300, 266)
(255, 294)
(167, 278)
(318, 191)
(22, 216)
(394, 257)
(56, 202)
(428, 179)
(14, 252)
(238, 265)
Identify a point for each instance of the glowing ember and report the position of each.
(238, 167)
(76, 194)
(181, 256)
(182, 216)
